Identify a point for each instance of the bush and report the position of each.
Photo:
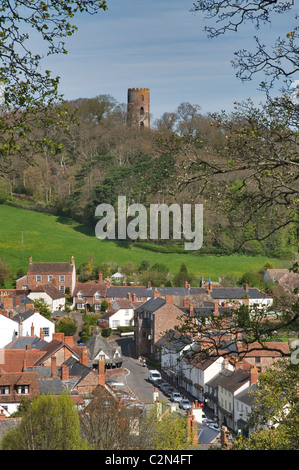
(106, 332)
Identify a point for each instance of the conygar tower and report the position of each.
(138, 108)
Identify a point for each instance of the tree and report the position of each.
(66, 326)
(28, 94)
(168, 433)
(276, 407)
(43, 307)
(276, 61)
(48, 423)
(107, 424)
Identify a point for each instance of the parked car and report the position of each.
(185, 404)
(176, 397)
(163, 386)
(169, 390)
(158, 382)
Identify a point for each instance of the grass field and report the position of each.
(50, 238)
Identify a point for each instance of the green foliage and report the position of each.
(44, 308)
(106, 332)
(48, 423)
(66, 326)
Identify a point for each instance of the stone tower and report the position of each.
(138, 110)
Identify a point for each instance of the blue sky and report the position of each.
(157, 44)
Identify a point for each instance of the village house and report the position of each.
(243, 405)
(151, 320)
(61, 275)
(52, 296)
(89, 295)
(25, 324)
(287, 279)
(109, 352)
(121, 313)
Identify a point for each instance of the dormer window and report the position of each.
(22, 389)
(4, 389)
(97, 296)
(80, 296)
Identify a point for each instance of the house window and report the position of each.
(61, 278)
(4, 390)
(46, 331)
(50, 278)
(80, 296)
(127, 312)
(139, 299)
(97, 297)
(62, 289)
(23, 389)
(38, 278)
(97, 307)
(25, 287)
(115, 323)
(80, 306)
(127, 323)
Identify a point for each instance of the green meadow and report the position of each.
(49, 238)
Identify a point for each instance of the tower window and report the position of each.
(141, 111)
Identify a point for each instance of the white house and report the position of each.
(50, 294)
(31, 322)
(243, 405)
(8, 330)
(121, 313)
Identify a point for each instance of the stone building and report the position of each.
(138, 107)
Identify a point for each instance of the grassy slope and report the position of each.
(50, 238)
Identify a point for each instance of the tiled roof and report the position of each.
(151, 305)
(89, 289)
(49, 289)
(50, 268)
(13, 359)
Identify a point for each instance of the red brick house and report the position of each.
(151, 320)
(16, 386)
(61, 275)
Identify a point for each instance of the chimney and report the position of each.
(246, 287)
(169, 299)
(59, 337)
(129, 296)
(101, 371)
(216, 309)
(69, 340)
(186, 303)
(65, 373)
(73, 261)
(30, 260)
(36, 310)
(253, 375)
(84, 357)
(186, 284)
(134, 297)
(224, 437)
(149, 285)
(24, 364)
(32, 329)
(157, 294)
(191, 310)
(53, 366)
(42, 334)
(101, 278)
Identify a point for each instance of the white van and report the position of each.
(154, 375)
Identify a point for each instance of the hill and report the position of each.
(51, 238)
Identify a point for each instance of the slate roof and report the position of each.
(151, 305)
(97, 343)
(234, 381)
(21, 342)
(51, 385)
(123, 291)
(246, 397)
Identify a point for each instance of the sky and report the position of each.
(160, 45)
